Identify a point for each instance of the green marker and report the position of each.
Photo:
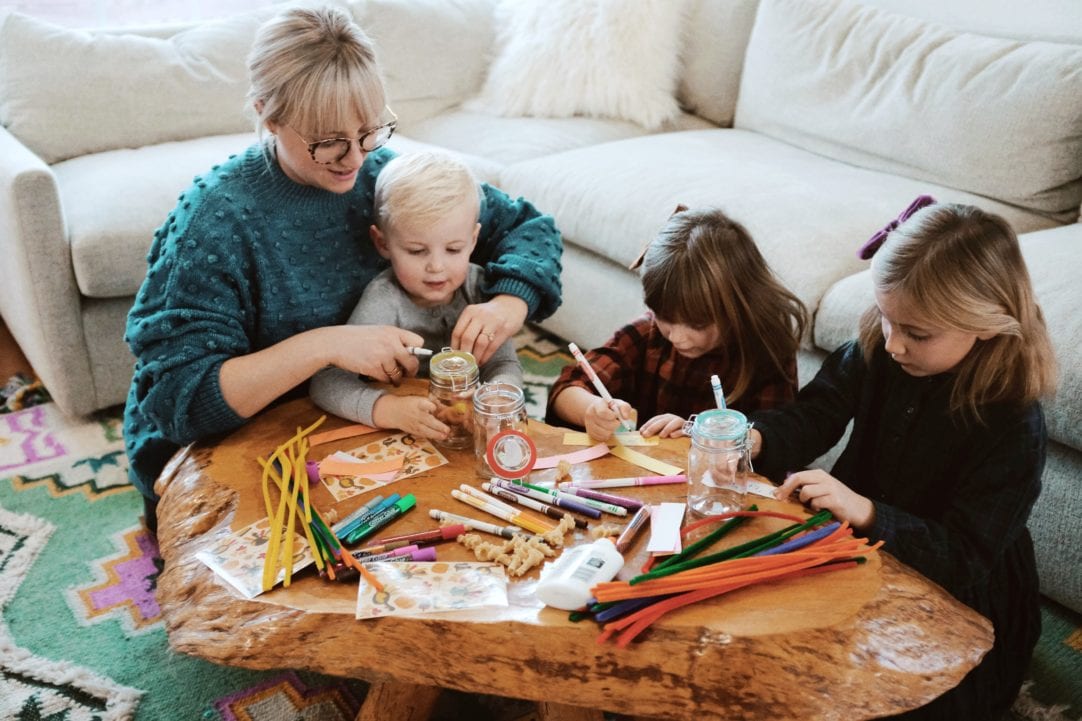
(381, 519)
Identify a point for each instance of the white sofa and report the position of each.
(813, 122)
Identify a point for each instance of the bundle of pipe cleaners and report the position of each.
(818, 544)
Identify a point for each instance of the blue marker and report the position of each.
(719, 394)
(382, 518)
(356, 523)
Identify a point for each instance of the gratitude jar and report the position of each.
(497, 407)
(452, 381)
(719, 462)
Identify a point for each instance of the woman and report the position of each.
(253, 275)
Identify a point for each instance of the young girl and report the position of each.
(948, 440)
(715, 309)
(426, 210)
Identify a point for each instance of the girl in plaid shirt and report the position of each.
(715, 309)
(948, 440)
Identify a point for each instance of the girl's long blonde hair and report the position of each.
(314, 70)
(963, 269)
(703, 268)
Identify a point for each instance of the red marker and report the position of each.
(444, 533)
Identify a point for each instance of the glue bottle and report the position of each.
(566, 583)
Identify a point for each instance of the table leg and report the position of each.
(393, 701)
(549, 711)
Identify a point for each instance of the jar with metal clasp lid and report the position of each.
(497, 408)
(719, 462)
(453, 376)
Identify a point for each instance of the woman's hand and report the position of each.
(666, 425)
(822, 491)
(602, 418)
(377, 351)
(412, 414)
(482, 328)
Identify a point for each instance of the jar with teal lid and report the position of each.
(719, 462)
(452, 380)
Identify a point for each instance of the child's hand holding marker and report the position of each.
(603, 418)
(621, 409)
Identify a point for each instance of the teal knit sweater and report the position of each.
(249, 258)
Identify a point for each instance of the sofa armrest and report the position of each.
(39, 299)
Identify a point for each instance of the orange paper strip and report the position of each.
(335, 467)
(358, 429)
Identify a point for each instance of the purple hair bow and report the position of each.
(872, 244)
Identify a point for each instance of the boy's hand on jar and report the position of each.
(819, 490)
(603, 418)
(666, 425)
(413, 414)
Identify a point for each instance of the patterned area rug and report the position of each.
(81, 635)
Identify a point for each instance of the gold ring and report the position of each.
(396, 372)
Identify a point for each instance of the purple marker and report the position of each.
(629, 503)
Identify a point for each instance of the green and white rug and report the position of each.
(81, 635)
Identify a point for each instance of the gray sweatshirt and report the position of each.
(384, 302)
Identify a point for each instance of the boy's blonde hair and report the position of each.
(703, 268)
(417, 189)
(314, 70)
(963, 270)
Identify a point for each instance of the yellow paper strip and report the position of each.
(641, 459)
(633, 438)
(335, 467)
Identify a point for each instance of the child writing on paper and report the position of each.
(426, 223)
(715, 308)
(948, 442)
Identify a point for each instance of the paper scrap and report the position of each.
(665, 521)
(587, 454)
(413, 588)
(238, 557)
(760, 488)
(641, 459)
(633, 438)
(357, 429)
(408, 456)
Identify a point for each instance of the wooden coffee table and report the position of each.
(855, 644)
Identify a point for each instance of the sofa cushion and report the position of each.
(510, 140)
(434, 54)
(996, 117)
(808, 214)
(66, 93)
(115, 200)
(715, 38)
(1052, 258)
(603, 58)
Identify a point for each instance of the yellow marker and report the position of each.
(516, 517)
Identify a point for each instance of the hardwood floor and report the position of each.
(12, 360)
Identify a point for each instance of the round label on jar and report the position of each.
(511, 454)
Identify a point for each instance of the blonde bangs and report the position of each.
(331, 100)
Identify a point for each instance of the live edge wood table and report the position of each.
(866, 642)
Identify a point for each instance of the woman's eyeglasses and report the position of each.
(332, 150)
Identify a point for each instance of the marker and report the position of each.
(719, 394)
(382, 518)
(626, 482)
(516, 518)
(417, 351)
(547, 496)
(366, 557)
(359, 513)
(470, 490)
(550, 511)
(445, 533)
(592, 375)
(475, 525)
(347, 529)
(630, 504)
(632, 528)
(602, 506)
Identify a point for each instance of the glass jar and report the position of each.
(719, 462)
(496, 407)
(452, 381)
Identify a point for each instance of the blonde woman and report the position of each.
(948, 443)
(253, 275)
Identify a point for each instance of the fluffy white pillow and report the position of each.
(604, 58)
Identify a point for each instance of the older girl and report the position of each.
(948, 442)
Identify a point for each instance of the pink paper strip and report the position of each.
(587, 454)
